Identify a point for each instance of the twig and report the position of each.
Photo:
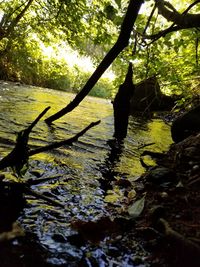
(65, 142)
(145, 145)
(29, 128)
(149, 19)
(18, 157)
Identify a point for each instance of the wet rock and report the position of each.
(59, 238)
(163, 195)
(76, 240)
(184, 157)
(12, 203)
(186, 125)
(113, 252)
(138, 261)
(148, 97)
(37, 173)
(161, 176)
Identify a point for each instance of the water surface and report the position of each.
(78, 168)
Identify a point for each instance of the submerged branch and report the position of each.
(18, 157)
(68, 142)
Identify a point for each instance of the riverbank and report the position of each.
(172, 206)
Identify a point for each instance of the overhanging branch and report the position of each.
(163, 5)
(184, 21)
(121, 43)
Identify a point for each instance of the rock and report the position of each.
(161, 176)
(148, 97)
(186, 125)
(184, 157)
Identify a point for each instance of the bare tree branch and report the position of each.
(174, 27)
(68, 142)
(149, 19)
(121, 43)
(171, 14)
(19, 156)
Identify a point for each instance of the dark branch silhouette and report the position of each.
(67, 142)
(121, 43)
(174, 27)
(121, 105)
(19, 156)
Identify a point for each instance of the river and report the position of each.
(77, 169)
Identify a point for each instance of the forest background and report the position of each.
(58, 44)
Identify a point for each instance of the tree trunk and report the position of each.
(122, 42)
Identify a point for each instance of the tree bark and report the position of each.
(121, 105)
(121, 43)
(171, 14)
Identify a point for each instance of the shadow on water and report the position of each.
(78, 176)
(108, 167)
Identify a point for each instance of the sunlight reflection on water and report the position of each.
(80, 166)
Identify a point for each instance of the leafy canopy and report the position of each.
(91, 27)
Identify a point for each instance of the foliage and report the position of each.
(91, 28)
(21, 51)
(173, 58)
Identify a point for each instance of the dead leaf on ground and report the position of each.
(136, 209)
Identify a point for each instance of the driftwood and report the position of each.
(67, 142)
(24, 187)
(121, 104)
(19, 156)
